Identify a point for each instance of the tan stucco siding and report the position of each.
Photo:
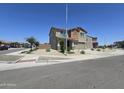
(74, 35)
(80, 46)
(53, 41)
(82, 38)
(89, 43)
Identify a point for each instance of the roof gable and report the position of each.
(54, 30)
(78, 29)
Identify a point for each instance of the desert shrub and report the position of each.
(98, 49)
(70, 52)
(68, 49)
(35, 49)
(92, 49)
(24, 52)
(62, 48)
(29, 51)
(48, 50)
(82, 52)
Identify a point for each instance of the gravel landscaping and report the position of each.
(9, 58)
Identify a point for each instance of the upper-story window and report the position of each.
(62, 34)
(82, 35)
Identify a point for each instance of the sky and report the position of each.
(19, 21)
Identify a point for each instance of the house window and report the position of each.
(63, 34)
(81, 34)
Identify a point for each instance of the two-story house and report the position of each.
(77, 38)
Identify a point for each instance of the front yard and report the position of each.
(9, 58)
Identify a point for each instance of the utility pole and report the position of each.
(66, 38)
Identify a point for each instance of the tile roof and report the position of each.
(63, 30)
(78, 29)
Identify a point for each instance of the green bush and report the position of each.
(68, 49)
(62, 48)
(92, 49)
(98, 49)
(24, 52)
(82, 52)
(29, 51)
(70, 52)
(48, 50)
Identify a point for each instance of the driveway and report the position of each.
(103, 73)
(10, 51)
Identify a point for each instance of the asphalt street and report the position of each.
(10, 51)
(104, 73)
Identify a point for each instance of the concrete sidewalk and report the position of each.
(31, 60)
(37, 58)
(4, 67)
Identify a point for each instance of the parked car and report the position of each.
(12, 47)
(3, 48)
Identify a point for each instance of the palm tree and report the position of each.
(31, 40)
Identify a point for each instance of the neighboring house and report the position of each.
(119, 44)
(77, 38)
(10, 44)
(3, 43)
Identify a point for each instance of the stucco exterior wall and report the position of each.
(89, 43)
(77, 36)
(74, 35)
(80, 46)
(53, 40)
(82, 37)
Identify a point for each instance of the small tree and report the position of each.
(37, 44)
(31, 40)
(0, 43)
(62, 48)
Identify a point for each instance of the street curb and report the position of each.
(35, 60)
(26, 60)
(50, 63)
(54, 63)
(19, 59)
(92, 58)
